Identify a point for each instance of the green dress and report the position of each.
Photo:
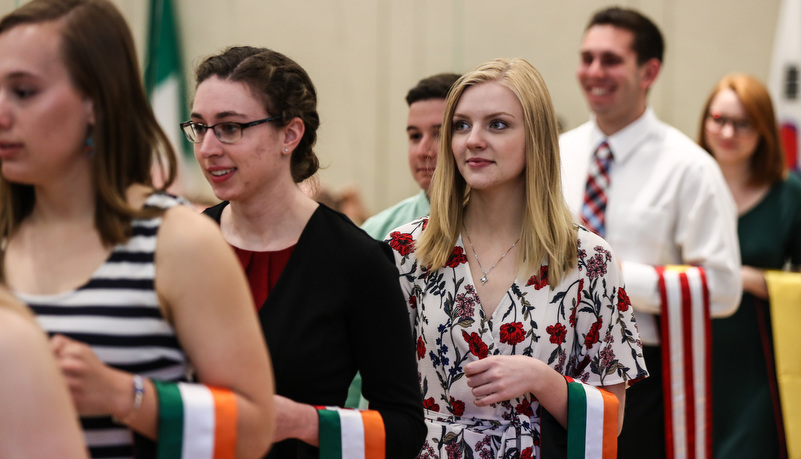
(746, 417)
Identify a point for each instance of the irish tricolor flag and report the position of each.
(351, 434)
(591, 421)
(686, 369)
(195, 421)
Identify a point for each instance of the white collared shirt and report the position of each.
(667, 204)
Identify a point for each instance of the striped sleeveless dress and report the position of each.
(117, 313)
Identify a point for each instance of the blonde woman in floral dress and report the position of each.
(506, 295)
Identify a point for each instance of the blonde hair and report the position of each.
(548, 232)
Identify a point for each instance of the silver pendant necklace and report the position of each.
(475, 254)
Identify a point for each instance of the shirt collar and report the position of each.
(624, 142)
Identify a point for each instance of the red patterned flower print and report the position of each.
(558, 333)
(477, 347)
(539, 281)
(430, 405)
(527, 453)
(457, 407)
(623, 301)
(425, 223)
(512, 333)
(457, 257)
(421, 348)
(402, 242)
(524, 408)
(413, 302)
(454, 450)
(593, 335)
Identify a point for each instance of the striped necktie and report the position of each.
(594, 208)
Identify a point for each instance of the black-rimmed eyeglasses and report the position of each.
(226, 132)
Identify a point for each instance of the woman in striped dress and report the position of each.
(135, 289)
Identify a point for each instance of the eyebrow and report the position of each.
(219, 115)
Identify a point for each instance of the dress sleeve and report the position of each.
(604, 319)
(382, 342)
(402, 242)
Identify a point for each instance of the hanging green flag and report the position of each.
(164, 76)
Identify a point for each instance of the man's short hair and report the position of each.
(648, 42)
(433, 87)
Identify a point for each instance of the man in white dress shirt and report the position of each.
(667, 203)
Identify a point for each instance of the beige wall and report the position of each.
(363, 55)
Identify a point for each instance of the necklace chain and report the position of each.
(475, 254)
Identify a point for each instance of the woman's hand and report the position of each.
(95, 388)
(754, 282)
(296, 420)
(501, 377)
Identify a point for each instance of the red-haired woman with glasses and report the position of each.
(738, 127)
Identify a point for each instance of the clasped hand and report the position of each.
(94, 387)
(501, 377)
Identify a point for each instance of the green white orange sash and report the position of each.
(351, 434)
(785, 313)
(686, 352)
(195, 421)
(591, 422)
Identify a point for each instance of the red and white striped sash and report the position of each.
(686, 352)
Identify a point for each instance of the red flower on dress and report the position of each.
(623, 301)
(430, 405)
(413, 302)
(512, 333)
(401, 242)
(524, 408)
(421, 348)
(457, 257)
(593, 335)
(527, 453)
(477, 347)
(457, 407)
(425, 223)
(558, 333)
(539, 281)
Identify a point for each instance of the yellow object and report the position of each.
(785, 310)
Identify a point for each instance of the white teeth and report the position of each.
(221, 172)
(599, 91)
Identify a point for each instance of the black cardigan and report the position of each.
(337, 308)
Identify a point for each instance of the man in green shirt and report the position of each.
(426, 108)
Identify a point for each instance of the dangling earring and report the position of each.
(89, 145)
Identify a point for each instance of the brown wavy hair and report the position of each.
(98, 51)
(285, 90)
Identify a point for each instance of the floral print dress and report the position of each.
(583, 328)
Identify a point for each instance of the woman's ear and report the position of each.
(293, 132)
(89, 110)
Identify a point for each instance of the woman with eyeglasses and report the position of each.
(327, 296)
(739, 129)
(135, 289)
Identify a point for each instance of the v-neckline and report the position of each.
(469, 277)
